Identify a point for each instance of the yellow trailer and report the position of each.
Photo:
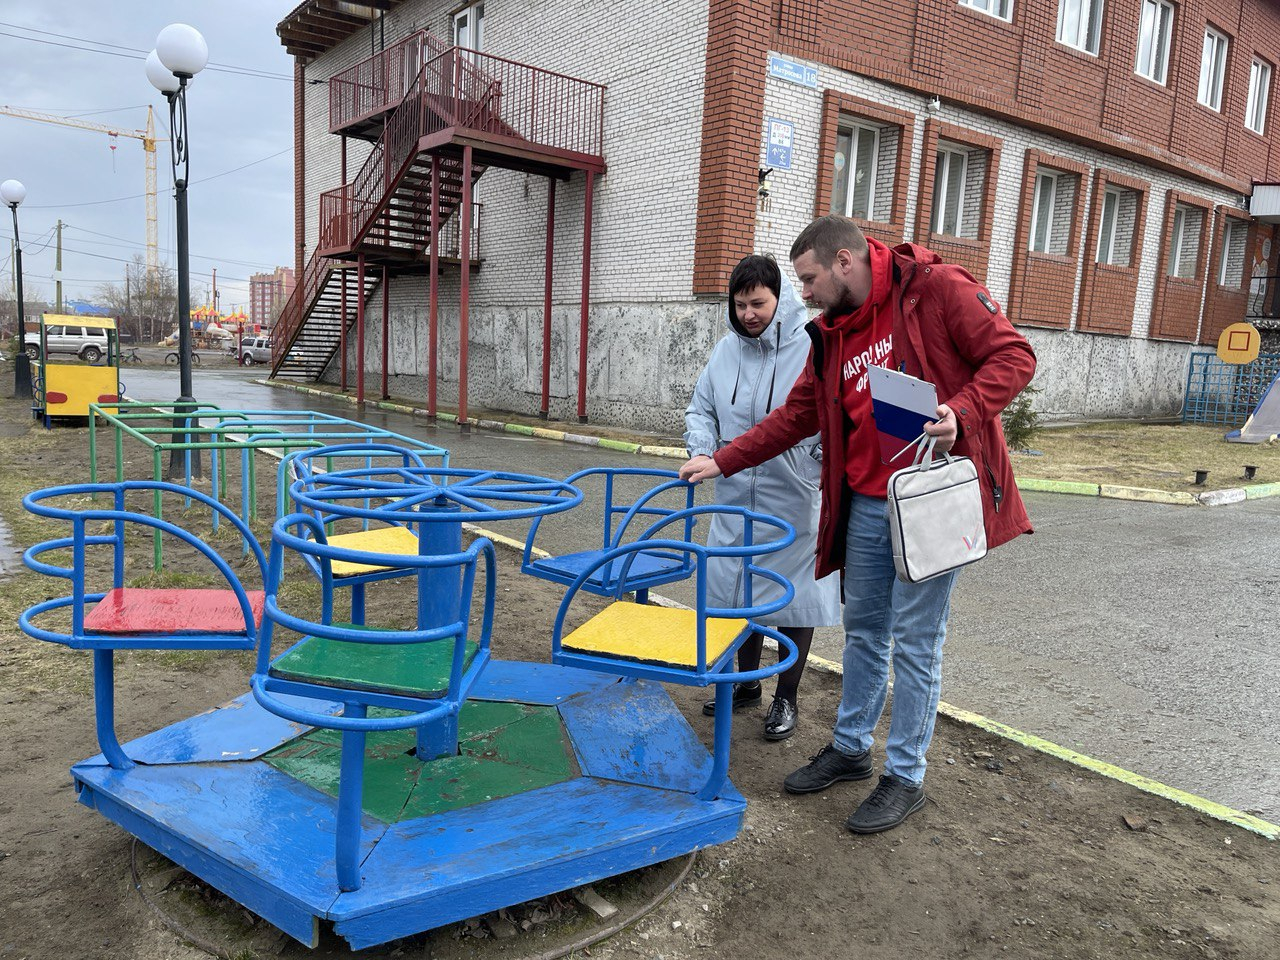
(79, 364)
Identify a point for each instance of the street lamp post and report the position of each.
(179, 55)
(13, 193)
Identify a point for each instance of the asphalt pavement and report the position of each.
(1144, 635)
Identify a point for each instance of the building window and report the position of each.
(1231, 256)
(1002, 9)
(1154, 29)
(1042, 214)
(468, 27)
(1184, 243)
(1116, 226)
(949, 189)
(1255, 113)
(1080, 24)
(865, 161)
(1213, 66)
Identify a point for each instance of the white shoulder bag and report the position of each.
(935, 515)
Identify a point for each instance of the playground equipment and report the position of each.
(224, 433)
(63, 389)
(689, 647)
(391, 778)
(650, 568)
(132, 618)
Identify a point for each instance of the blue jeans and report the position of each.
(883, 618)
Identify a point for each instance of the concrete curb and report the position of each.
(1210, 498)
(1029, 741)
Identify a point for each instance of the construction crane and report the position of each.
(148, 138)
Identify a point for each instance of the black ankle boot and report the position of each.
(744, 695)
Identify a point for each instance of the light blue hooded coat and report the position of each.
(744, 379)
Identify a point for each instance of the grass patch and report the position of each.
(1143, 455)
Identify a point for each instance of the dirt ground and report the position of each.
(1015, 855)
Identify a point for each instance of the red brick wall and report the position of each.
(970, 254)
(1042, 286)
(1176, 311)
(1224, 306)
(1018, 71)
(1108, 291)
(739, 34)
(833, 105)
(1015, 71)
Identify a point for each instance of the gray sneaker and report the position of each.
(829, 766)
(891, 802)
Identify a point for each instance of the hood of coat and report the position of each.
(788, 319)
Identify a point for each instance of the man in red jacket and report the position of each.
(903, 308)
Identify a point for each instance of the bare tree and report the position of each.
(145, 306)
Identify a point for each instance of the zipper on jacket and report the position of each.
(997, 492)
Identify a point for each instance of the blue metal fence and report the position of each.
(1226, 393)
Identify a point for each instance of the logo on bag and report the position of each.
(971, 541)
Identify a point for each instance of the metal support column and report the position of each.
(360, 329)
(386, 330)
(546, 299)
(464, 255)
(433, 294)
(586, 297)
(342, 334)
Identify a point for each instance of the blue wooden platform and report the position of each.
(201, 796)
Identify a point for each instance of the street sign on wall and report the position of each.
(793, 72)
(779, 139)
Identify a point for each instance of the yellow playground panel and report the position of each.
(65, 389)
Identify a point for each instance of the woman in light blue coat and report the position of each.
(750, 372)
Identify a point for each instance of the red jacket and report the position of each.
(947, 330)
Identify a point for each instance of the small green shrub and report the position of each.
(1020, 420)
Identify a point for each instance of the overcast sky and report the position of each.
(241, 223)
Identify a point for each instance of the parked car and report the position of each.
(87, 343)
(255, 350)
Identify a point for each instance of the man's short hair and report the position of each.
(828, 234)
(755, 271)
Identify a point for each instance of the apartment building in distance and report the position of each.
(268, 293)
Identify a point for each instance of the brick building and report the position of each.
(268, 293)
(1093, 161)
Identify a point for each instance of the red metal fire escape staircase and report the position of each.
(508, 114)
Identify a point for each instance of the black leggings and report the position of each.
(788, 680)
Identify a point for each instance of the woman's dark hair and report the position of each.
(755, 271)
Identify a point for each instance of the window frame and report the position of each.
(1090, 13)
(1213, 68)
(1162, 12)
(857, 128)
(1116, 196)
(1039, 218)
(473, 14)
(1229, 226)
(1255, 108)
(942, 161)
(989, 8)
(1177, 240)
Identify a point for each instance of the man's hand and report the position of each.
(699, 468)
(944, 428)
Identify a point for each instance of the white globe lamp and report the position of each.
(161, 77)
(13, 192)
(182, 50)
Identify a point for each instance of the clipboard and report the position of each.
(901, 405)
